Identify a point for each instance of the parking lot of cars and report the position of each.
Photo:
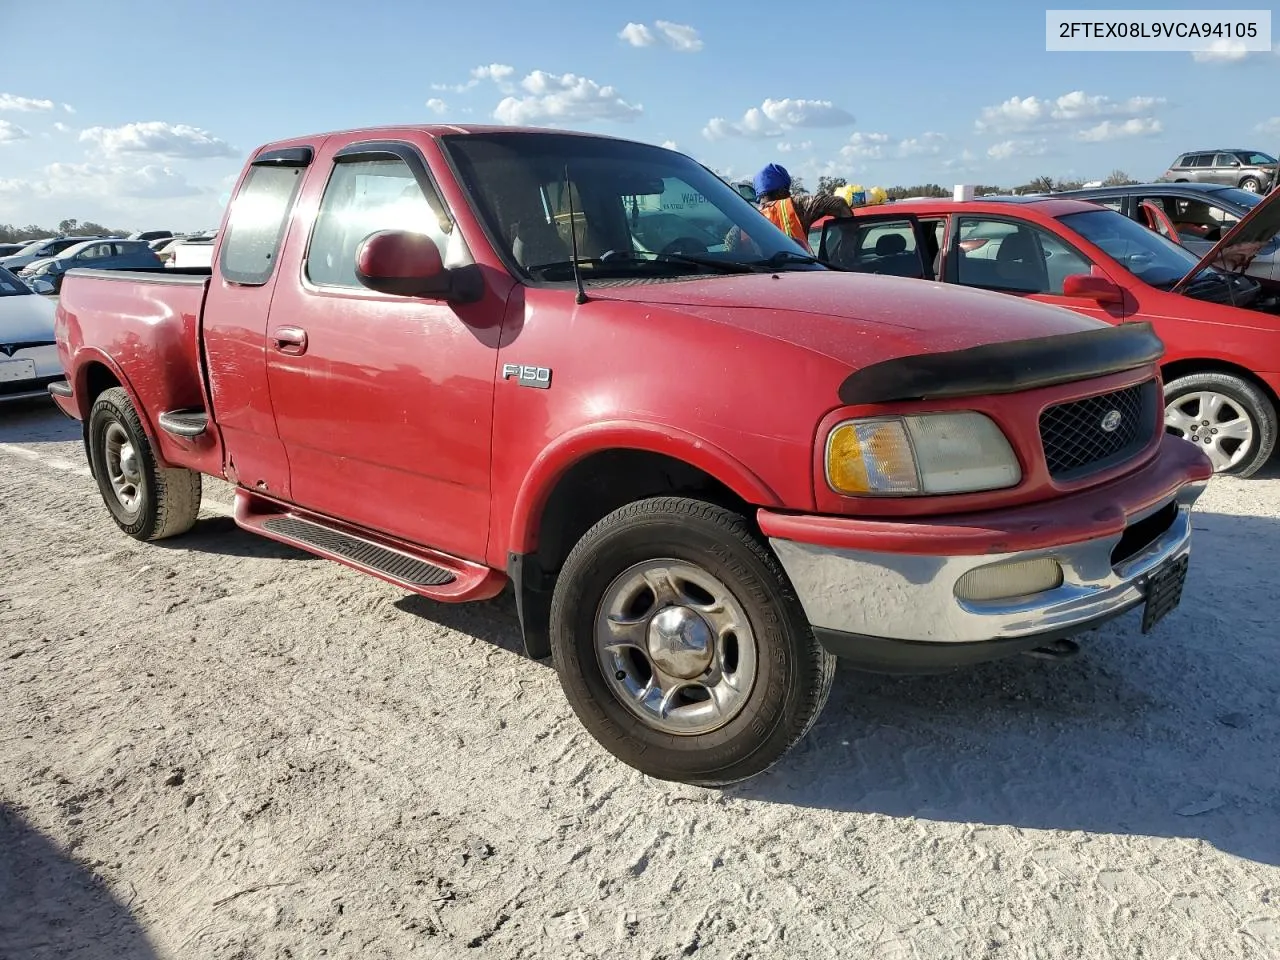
(289, 752)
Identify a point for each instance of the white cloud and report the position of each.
(436, 105)
(928, 144)
(670, 145)
(773, 118)
(175, 141)
(1114, 130)
(961, 164)
(553, 99)
(9, 101)
(680, 36)
(789, 147)
(881, 146)
(1270, 127)
(1017, 148)
(499, 73)
(61, 127)
(865, 146)
(1025, 113)
(96, 181)
(11, 132)
(638, 35)
(1222, 51)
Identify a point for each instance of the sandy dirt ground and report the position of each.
(219, 747)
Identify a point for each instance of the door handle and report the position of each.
(290, 340)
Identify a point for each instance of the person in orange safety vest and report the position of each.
(792, 215)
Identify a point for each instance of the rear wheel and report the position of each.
(1228, 417)
(147, 501)
(681, 645)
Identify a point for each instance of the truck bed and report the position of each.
(148, 323)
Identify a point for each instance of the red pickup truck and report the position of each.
(443, 356)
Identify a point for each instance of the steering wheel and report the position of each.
(684, 245)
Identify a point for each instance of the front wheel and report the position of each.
(681, 645)
(147, 501)
(1227, 417)
(1252, 184)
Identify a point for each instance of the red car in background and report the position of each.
(1220, 328)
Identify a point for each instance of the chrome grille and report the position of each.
(1076, 438)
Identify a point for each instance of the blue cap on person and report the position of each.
(772, 178)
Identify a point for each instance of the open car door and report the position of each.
(1156, 219)
(1239, 245)
(892, 244)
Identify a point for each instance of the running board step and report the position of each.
(422, 571)
(399, 566)
(187, 424)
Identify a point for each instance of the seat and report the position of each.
(1018, 263)
(892, 258)
(535, 242)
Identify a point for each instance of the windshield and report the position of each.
(1256, 158)
(637, 210)
(1144, 253)
(11, 286)
(1241, 198)
(32, 248)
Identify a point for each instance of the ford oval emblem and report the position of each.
(1111, 422)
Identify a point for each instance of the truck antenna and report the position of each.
(573, 238)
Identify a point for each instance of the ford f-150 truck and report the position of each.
(445, 356)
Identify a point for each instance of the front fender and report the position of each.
(575, 445)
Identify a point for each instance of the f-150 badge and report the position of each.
(528, 376)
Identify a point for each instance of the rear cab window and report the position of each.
(259, 215)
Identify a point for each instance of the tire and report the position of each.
(1252, 184)
(781, 675)
(165, 501)
(1224, 401)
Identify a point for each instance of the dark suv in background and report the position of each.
(1250, 170)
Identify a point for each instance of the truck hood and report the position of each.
(856, 319)
(26, 318)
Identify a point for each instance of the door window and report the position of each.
(1014, 257)
(365, 197)
(875, 246)
(1225, 160)
(1201, 160)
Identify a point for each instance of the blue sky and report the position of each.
(139, 114)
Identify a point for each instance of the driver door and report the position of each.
(884, 243)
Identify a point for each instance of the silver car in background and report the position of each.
(1250, 170)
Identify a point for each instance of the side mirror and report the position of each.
(1086, 286)
(402, 263)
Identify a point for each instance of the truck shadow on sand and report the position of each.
(1170, 735)
(51, 907)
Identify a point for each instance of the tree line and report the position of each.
(1044, 184)
(12, 233)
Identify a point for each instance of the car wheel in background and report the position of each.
(1252, 184)
(1228, 417)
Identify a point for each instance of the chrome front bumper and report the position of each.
(912, 598)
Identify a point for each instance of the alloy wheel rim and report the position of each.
(123, 468)
(1220, 426)
(675, 647)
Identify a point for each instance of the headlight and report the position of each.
(929, 454)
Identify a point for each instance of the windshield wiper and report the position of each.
(724, 266)
(790, 256)
(630, 263)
